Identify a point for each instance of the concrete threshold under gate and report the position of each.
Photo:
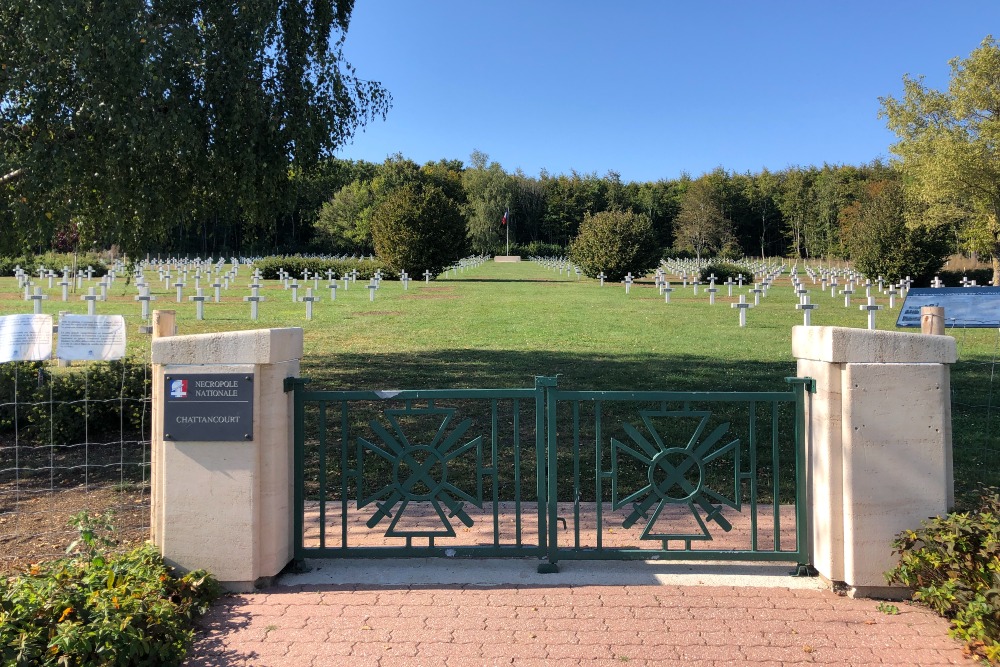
(405, 572)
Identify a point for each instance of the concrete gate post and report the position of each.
(227, 506)
(879, 445)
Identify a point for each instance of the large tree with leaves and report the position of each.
(701, 226)
(949, 146)
(131, 117)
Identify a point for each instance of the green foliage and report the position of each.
(221, 101)
(490, 192)
(419, 228)
(537, 249)
(344, 222)
(54, 261)
(701, 226)
(887, 608)
(881, 243)
(954, 278)
(295, 265)
(953, 565)
(616, 243)
(52, 406)
(723, 271)
(948, 146)
(100, 608)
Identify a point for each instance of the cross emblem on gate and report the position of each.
(676, 476)
(419, 483)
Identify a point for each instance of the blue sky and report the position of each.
(649, 88)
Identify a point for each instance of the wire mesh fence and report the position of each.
(975, 420)
(72, 439)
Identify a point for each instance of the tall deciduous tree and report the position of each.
(701, 226)
(490, 192)
(949, 145)
(132, 116)
(882, 244)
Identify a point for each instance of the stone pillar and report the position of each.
(879, 452)
(226, 507)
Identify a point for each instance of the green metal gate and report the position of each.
(551, 473)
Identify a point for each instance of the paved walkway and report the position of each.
(589, 614)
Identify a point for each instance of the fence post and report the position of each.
(879, 452)
(225, 506)
(548, 509)
(932, 320)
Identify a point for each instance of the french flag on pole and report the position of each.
(503, 221)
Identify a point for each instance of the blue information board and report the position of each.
(970, 307)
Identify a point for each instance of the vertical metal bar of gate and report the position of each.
(802, 532)
(548, 510)
(296, 385)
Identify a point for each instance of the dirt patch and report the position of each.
(34, 526)
(437, 297)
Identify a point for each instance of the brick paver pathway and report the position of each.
(528, 626)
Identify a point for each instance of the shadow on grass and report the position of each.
(457, 368)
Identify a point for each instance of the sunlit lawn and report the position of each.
(500, 325)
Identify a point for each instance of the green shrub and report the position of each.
(296, 264)
(953, 566)
(52, 405)
(419, 228)
(615, 243)
(97, 607)
(54, 261)
(537, 249)
(723, 271)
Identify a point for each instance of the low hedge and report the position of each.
(295, 265)
(54, 261)
(51, 407)
(98, 607)
(954, 278)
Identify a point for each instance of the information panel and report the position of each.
(25, 338)
(91, 337)
(208, 407)
(969, 307)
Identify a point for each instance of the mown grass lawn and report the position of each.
(500, 325)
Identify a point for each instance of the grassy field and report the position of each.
(500, 325)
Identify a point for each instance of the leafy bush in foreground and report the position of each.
(953, 565)
(100, 608)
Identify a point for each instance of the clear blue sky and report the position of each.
(650, 88)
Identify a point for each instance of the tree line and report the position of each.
(800, 212)
(211, 129)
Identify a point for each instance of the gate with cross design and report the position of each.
(551, 473)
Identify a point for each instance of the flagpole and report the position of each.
(506, 224)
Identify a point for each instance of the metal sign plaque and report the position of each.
(209, 407)
(972, 307)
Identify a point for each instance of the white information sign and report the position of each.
(25, 338)
(91, 337)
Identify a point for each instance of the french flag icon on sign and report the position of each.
(179, 388)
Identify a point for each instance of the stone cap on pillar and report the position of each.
(257, 346)
(842, 345)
